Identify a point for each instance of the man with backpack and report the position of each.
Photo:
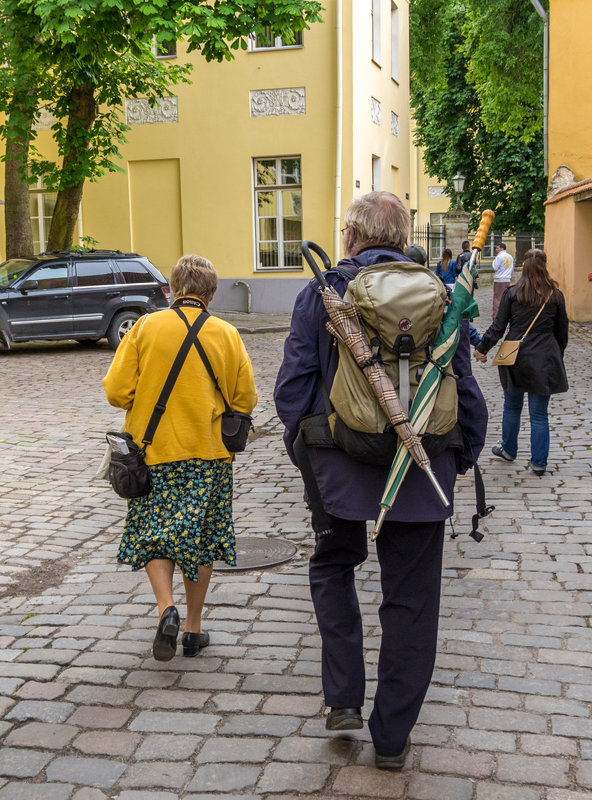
(464, 257)
(410, 544)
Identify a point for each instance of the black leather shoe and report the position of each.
(193, 642)
(165, 641)
(344, 719)
(393, 762)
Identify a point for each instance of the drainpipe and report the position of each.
(244, 283)
(545, 17)
(339, 130)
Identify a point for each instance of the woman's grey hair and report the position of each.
(194, 275)
(378, 218)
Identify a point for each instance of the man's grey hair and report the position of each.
(194, 275)
(378, 218)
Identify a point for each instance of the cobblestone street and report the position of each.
(86, 713)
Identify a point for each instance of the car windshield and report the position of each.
(13, 269)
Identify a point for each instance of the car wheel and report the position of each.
(120, 325)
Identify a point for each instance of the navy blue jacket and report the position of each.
(350, 489)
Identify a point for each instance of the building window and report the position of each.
(394, 42)
(278, 212)
(161, 50)
(437, 235)
(41, 206)
(375, 174)
(376, 31)
(269, 42)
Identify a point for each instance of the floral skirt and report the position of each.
(186, 517)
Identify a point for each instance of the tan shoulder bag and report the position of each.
(508, 352)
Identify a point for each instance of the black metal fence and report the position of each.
(433, 239)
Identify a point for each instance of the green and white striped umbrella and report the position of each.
(462, 306)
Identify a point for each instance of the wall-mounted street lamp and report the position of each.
(459, 186)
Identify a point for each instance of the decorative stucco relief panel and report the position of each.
(394, 123)
(376, 111)
(45, 119)
(277, 102)
(138, 111)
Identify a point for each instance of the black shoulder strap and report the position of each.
(174, 371)
(202, 353)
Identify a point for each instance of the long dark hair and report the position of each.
(535, 284)
(446, 258)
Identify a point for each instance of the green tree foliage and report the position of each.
(475, 114)
(82, 58)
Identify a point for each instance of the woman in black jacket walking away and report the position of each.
(539, 370)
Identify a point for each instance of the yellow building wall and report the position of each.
(570, 88)
(568, 221)
(373, 81)
(188, 186)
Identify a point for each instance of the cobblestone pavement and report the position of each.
(86, 713)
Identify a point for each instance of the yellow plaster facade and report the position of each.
(568, 228)
(190, 179)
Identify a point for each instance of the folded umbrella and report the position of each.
(462, 306)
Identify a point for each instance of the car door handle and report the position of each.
(113, 294)
(65, 297)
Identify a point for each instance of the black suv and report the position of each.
(83, 296)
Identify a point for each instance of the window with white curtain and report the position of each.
(394, 42)
(376, 31)
(375, 173)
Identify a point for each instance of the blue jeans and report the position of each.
(539, 425)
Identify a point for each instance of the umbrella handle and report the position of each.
(306, 247)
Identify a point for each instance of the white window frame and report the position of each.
(437, 223)
(278, 188)
(156, 50)
(394, 42)
(277, 44)
(376, 31)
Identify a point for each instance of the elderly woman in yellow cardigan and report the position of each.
(186, 519)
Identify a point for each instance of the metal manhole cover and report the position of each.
(254, 552)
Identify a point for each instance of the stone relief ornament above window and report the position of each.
(436, 191)
(277, 102)
(138, 111)
(376, 111)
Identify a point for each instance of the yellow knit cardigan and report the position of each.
(190, 426)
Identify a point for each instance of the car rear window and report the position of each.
(135, 272)
(94, 273)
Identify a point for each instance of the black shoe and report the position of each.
(165, 641)
(501, 453)
(344, 719)
(537, 468)
(193, 642)
(393, 762)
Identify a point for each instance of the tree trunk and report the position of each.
(17, 218)
(63, 221)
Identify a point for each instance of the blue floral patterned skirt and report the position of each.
(187, 517)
